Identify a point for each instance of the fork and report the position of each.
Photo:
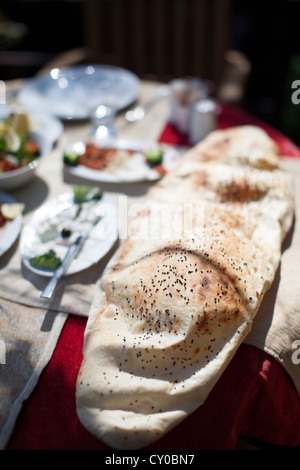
(138, 113)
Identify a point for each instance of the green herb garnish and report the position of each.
(70, 158)
(86, 193)
(154, 156)
(48, 260)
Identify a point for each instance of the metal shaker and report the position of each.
(202, 120)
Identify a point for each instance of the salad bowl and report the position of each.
(25, 138)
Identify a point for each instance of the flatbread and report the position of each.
(183, 290)
(237, 189)
(241, 145)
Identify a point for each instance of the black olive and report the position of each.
(66, 232)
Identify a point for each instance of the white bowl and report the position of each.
(16, 178)
(46, 131)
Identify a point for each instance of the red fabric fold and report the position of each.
(254, 398)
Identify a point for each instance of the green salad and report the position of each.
(17, 149)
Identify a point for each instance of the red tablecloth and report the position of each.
(254, 398)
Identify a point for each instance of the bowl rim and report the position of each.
(20, 171)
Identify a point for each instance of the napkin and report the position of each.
(28, 339)
(276, 328)
(72, 295)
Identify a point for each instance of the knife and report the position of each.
(73, 250)
(59, 272)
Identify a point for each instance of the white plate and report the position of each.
(138, 171)
(72, 93)
(10, 231)
(101, 238)
(45, 131)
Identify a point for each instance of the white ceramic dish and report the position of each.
(45, 132)
(100, 240)
(72, 93)
(10, 231)
(138, 170)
